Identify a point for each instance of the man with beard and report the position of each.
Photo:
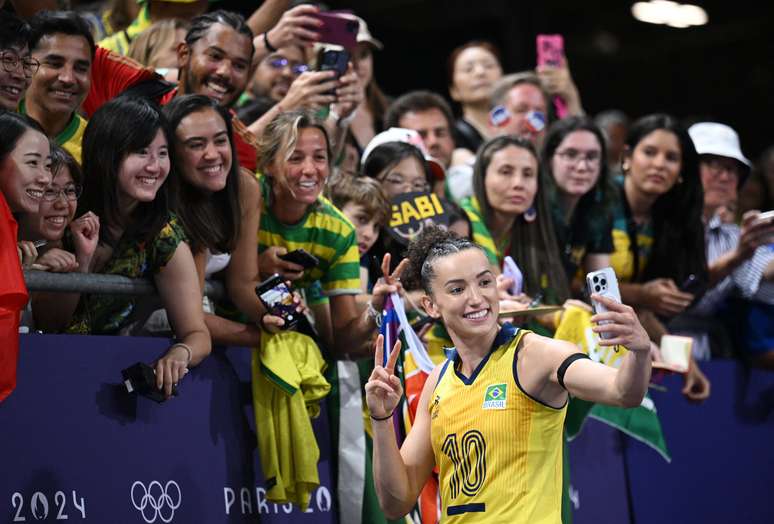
(62, 43)
(214, 61)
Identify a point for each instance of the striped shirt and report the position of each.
(745, 280)
(326, 233)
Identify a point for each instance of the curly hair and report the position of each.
(430, 245)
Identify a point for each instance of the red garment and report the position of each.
(13, 297)
(112, 73)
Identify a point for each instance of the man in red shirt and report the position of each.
(214, 61)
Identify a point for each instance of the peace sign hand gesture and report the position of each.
(383, 389)
(388, 283)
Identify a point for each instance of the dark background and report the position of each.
(721, 71)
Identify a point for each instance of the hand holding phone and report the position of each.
(605, 283)
(550, 52)
(765, 220)
(277, 298)
(301, 257)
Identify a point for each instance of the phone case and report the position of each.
(550, 50)
(605, 283)
(277, 298)
(338, 28)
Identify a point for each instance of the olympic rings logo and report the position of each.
(160, 501)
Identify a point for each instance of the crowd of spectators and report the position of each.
(173, 141)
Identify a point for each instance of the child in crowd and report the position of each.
(365, 205)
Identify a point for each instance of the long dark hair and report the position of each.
(599, 200)
(533, 244)
(678, 242)
(210, 220)
(120, 127)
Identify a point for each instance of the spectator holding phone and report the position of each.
(219, 209)
(581, 193)
(296, 162)
(126, 164)
(739, 259)
(658, 235)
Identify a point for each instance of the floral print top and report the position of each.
(100, 314)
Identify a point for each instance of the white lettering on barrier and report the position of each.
(321, 498)
(261, 504)
(159, 501)
(244, 498)
(228, 498)
(39, 508)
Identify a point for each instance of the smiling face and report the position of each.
(464, 293)
(306, 170)
(64, 77)
(511, 180)
(142, 173)
(26, 172)
(277, 71)
(576, 163)
(655, 164)
(14, 80)
(475, 72)
(203, 150)
(54, 216)
(217, 65)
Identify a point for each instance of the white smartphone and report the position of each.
(768, 217)
(605, 283)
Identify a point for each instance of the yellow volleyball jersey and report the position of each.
(499, 451)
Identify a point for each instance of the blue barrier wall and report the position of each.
(74, 444)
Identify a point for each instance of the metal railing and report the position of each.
(103, 284)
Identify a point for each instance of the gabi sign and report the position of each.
(411, 212)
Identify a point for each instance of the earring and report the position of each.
(530, 214)
(679, 180)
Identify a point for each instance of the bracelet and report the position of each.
(270, 47)
(382, 418)
(374, 314)
(186, 347)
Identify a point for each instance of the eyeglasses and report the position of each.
(399, 181)
(70, 193)
(575, 157)
(281, 63)
(11, 61)
(717, 166)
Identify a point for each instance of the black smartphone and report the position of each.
(301, 257)
(692, 285)
(277, 298)
(333, 60)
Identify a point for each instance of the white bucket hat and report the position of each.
(711, 138)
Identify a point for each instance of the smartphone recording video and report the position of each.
(277, 298)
